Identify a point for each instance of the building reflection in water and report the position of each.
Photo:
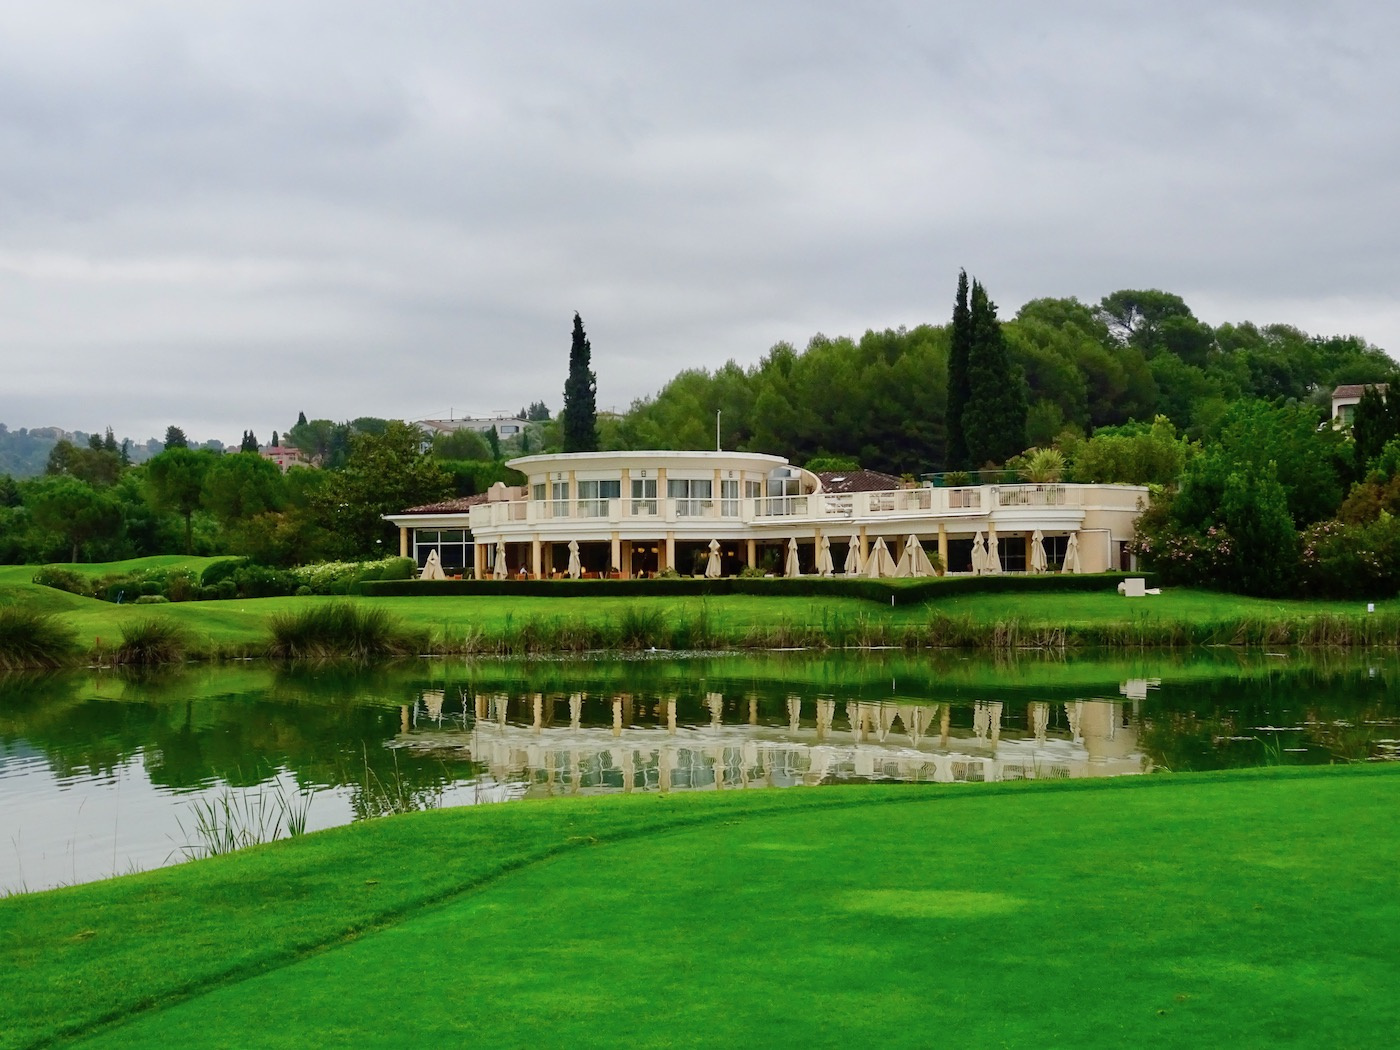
(580, 744)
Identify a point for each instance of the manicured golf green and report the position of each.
(1250, 909)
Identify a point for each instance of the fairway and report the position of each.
(1189, 911)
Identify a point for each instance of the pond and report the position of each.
(103, 773)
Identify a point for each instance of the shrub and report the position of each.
(1351, 561)
(399, 569)
(342, 629)
(343, 577)
(34, 640)
(181, 585)
(151, 599)
(904, 592)
(64, 580)
(149, 642)
(258, 581)
(304, 591)
(221, 570)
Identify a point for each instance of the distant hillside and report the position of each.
(25, 452)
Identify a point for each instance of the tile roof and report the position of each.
(857, 481)
(451, 506)
(1357, 389)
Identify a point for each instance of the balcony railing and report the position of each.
(1030, 495)
(826, 506)
(593, 508)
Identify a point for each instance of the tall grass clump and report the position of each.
(148, 642)
(342, 630)
(641, 628)
(31, 639)
(236, 819)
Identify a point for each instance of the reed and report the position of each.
(34, 640)
(233, 820)
(342, 630)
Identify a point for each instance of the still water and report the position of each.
(102, 773)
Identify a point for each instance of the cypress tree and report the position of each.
(957, 455)
(249, 443)
(994, 418)
(580, 396)
(1372, 424)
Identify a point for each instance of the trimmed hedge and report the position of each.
(904, 592)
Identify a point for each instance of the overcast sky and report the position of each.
(221, 214)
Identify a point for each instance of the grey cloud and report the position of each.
(220, 215)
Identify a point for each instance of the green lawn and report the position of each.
(242, 623)
(1253, 909)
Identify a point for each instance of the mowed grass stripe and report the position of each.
(1256, 909)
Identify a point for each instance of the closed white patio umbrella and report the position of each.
(501, 572)
(880, 563)
(1037, 552)
(993, 553)
(979, 555)
(913, 561)
(575, 566)
(824, 566)
(712, 566)
(853, 562)
(791, 568)
(1071, 554)
(433, 569)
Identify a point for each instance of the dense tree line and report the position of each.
(883, 398)
(92, 504)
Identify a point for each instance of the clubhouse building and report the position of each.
(629, 514)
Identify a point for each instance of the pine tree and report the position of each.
(957, 457)
(109, 442)
(301, 419)
(994, 416)
(580, 396)
(175, 438)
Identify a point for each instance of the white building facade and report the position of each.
(640, 513)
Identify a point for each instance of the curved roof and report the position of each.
(549, 460)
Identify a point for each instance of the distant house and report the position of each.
(285, 456)
(506, 426)
(1346, 398)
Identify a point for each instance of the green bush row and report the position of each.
(223, 580)
(903, 592)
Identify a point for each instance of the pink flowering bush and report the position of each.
(1341, 560)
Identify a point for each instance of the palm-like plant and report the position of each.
(1044, 465)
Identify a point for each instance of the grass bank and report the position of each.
(496, 624)
(1177, 911)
